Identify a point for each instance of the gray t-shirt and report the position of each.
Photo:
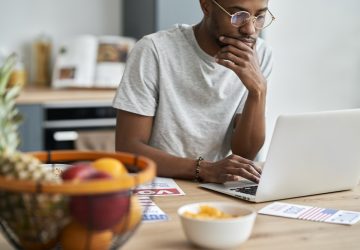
(192, 98)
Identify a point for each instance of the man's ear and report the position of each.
(205, 4)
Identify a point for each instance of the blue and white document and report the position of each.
(318, 214)
(151, 212)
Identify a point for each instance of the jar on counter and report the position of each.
(18, 75)
(42, 54)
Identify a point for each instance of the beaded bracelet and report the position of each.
(197, 169)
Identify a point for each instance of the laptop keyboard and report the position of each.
(246, 190)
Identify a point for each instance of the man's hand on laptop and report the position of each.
(232, 168)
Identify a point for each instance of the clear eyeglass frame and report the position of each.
(234, 17)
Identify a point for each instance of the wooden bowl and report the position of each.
(32, 193)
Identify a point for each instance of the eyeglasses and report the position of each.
(241, 18)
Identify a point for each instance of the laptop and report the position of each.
(311, 153)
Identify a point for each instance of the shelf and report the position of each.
(36, 95)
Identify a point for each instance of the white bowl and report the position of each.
(218, 233)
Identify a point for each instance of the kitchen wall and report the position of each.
(316, 46)
(21, 21)
(153, 15)
(178, 11)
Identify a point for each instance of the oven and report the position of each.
(66, 124)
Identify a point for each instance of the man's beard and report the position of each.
(245, 39)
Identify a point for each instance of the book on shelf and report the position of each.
(91, 61)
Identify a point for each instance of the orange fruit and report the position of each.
(37, 245)
(111, 166)
(74, 236)
(132, 219)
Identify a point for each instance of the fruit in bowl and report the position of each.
(216, 225)
(111, 166)
(132, 220)
(97, 211)
(50, 229)
(78, 171)
(24, 213)
(84, 238)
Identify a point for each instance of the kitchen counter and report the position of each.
(36, 95)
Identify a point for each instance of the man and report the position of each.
(193, 98)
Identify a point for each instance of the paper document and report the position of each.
(311, 213)
(159, 187)
(151, 212)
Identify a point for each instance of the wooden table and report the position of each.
(269, 232)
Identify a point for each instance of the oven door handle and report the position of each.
(81, 123)
(65, 135)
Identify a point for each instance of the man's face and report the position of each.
(218, 22)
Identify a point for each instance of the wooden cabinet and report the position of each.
(31, 132)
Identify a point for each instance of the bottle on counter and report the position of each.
(42, 56)
(18, 76)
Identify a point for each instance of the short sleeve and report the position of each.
(138, 89)
(266, 61)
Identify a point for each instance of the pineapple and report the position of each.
(33, 218)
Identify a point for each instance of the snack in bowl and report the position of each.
(216, 225)
(208, 212)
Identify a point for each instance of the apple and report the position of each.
(101, 211)
(78, 171)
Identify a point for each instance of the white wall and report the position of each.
(21, 21)
(316, 45)
(175, 11)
